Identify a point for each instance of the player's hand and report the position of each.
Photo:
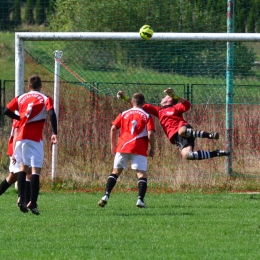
(171, 93)
(113, 149)
(13, 160)
(120, 94)
(54, 139)
(151, 153)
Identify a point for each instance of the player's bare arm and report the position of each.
(14, 142)
(113, 138)
(151, 138)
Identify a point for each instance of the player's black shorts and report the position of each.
(182, 142)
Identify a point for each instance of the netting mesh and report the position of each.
(195, 70)
(88, 108)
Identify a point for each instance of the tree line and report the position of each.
(36, 12)
(130, 15)
(124, 15)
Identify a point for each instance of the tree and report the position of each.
(29, 17)
(16, 18)
(5, 15)
(40, 12)
(250, 23)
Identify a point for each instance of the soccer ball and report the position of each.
(146, 32)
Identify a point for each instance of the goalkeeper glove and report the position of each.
(171, 93)
(121, 94)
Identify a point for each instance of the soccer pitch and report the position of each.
(173, 226)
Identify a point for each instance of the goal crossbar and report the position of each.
(133, 36)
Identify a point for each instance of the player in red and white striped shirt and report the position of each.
(136, 133)
(33, 107)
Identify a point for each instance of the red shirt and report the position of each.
(170, 117)
(10, 146)
(32, 107)
(134, 125)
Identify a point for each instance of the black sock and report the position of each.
(201, 155)
(111, 182)
(142, 187)
(196, 134)
(27, 192)
(4, 186)
(21, 184)
(35, 188)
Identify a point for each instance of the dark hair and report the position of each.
(35, 82)
(138, 99)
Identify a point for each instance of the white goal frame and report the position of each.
(20, 37)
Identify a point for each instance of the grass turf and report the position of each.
(173, 226)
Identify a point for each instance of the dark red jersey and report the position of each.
(170, 117)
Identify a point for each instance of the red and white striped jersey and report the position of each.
(32, 107)
(134, 125)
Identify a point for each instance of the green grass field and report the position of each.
(173, 226)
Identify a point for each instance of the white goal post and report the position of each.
(21, 37)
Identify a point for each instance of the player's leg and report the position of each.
(139, 164)
(120, 163)
(187, 132)
(201, 154)
(33, 154)
(21, 175)
(21, 178)
(6, 183)
(34, 190)
(27, 192)
(11, 178)
(186, 146)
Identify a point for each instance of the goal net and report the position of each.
(223, 88)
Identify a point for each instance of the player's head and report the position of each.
(168, 101)
(35, 82)
(138, 99)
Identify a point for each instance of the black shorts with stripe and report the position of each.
(183, 142)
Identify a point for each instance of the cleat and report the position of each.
(140, 204)
(102, 203)
(33, 208)
(222, 153)
(214, 135)
(21, 204)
